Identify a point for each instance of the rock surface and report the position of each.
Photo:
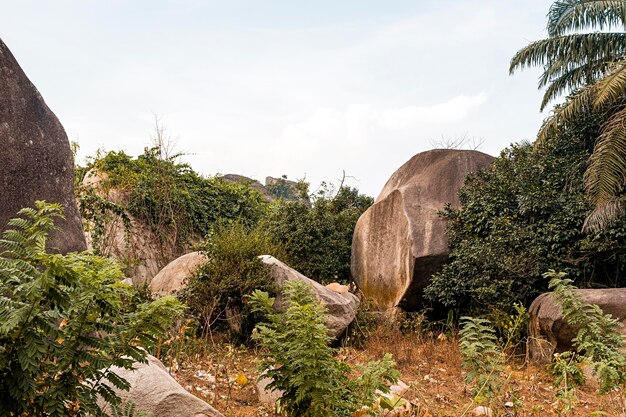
(548, 332)
(138, 248)
(399, 242)
(172, 278)
(153, 390)
(267, 396)
(341, 306)
(36, 162)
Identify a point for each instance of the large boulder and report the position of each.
(341, 306)
(154, 391)
(36, 162)
(400, 241)
(141, 250)
(548, 332)
(173, 277)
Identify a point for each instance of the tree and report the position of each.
(523, 216)
(592, 65)
(318, 239)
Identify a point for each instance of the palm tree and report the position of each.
(592, 66)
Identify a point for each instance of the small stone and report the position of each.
(508, 404)
(481, 410)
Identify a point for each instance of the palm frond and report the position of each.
(572, 15)
(574, 50)
(566, 80)
(612, 87)
(606, 173)
(580, 102)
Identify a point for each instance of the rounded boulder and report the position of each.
(400, 241)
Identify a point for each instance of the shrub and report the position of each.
(64, 322)
(300, 361)
(231, 272)
(318, 238)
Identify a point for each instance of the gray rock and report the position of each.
(36, 162)
(267, 396)
(341, 306)
(153, 390)
(173, 277)
(548, 332)
(400, 241)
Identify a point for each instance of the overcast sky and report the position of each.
(265, 87)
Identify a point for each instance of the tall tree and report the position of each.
(585, 54)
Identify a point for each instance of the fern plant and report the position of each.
(65, 321)
(300, 361)
(482, 358)
(598, 340)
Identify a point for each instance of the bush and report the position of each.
(232, 271)
(521, 217)
(64, 322)
(318, 238)
(300, 361)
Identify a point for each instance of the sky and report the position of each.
(268, 88)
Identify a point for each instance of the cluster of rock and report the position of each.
(398, 243)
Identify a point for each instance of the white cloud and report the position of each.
(362, 123)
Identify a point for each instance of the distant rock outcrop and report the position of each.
(274, 188)
(341, 306)
(36, 161)
(548, 332)
(173, 277)
(154, 391)
(400, 241)
(254, 184)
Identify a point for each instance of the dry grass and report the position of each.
(429, 363)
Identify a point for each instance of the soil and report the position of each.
(224, 375)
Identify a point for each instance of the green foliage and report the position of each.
(300, 362)
(482, 358)
(172, 198)
(64, 322)
(598, 341)
(523, 216)
(99, 211)
(510, 327)
(318, 239)
(231, 272)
